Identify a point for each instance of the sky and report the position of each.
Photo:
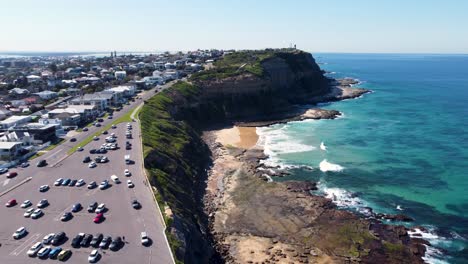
(360, 26)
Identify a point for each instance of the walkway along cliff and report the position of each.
(252, 86)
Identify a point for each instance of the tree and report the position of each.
(53, 67)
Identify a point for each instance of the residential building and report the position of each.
(47, 95)
(14, 121)
(10, 150)
(123, 90)
(120, 75)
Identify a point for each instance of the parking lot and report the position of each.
(120, 218)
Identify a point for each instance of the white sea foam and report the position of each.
(433, 255)
(327, 166)
(276, 141)
(399, 208)
(323, 147)
(343, 198)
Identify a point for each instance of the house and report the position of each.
(4, 113)
(33, 78)
(122, 90)
(120, 75)
(170, 75)
(14, 121)
(160, 65)
(10, 150)
(153, 80)
(73, 115)
(30, 134)
(101, 99)
(47, 95)
(179, 63)
(18, 92)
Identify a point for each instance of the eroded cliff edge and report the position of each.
(249, 87)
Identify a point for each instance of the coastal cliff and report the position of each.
(252, 87)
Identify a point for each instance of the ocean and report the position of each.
(401, 149)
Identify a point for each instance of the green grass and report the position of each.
(49, 148)
(122, 119)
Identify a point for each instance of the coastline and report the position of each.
(255, 219)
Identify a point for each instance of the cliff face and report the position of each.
(176, 157)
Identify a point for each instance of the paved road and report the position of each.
(121, 218)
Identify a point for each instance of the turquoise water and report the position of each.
(405, 145)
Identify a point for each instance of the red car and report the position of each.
(11, 174)
(11, 203)
(99, 217)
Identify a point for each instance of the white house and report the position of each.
(33, 78)
(18, 91)
(120, 75)
(9, 150)
(124, 90)
(14, 121)
(153, 80)
(47, 95)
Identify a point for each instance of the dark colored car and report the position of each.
(92, 207)
(92, 151)
(11, 203)
(66, 182)
(54, 252)
(73, 140)
(128, 147)
(76, 207)
(58, 238)
(41, 163)
(3, 170)
(85, 129)
(72, 183)
(100, 120)
(77, 240)
(86, 240)
(86, 159)
(136, 204)
(105, 132)
(11, 174)
(66, 216)
(105, 242)
(115, 244)
(96, 240)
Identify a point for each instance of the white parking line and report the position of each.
(26, 244)
(5, 182)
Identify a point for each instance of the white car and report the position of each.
(80, 149)
(92, 185)
(48, 238)
(144, 239)
(94, 256)
(100, 209)
(130, 184)
(44, 252)
(103, 185)
(127, 173)
(26, 204)
(92, 165)
(28, 212)
(80, 183)
(21, 232)
(36, 214)
(34, 249)
(58, 182)
(42, 203)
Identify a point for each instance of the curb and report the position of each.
(16, 186)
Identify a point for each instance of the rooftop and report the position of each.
(8, 145)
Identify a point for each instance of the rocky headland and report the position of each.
(224, 208)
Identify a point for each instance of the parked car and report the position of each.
(28, 212)
(95, 138)
(20, 232)
(104, 185)
(85, 129)
(3, 170)
(64, 255)
(80, 183)
(34, 249)
(36, 214)
(42, 203)
(41, 163)
(92, 165)
(145, 240)
(58, 238)
(66, 182)
(105, 132)
(24, 165)
(136, 204)
(92, 151)
(26, 204)
(98, 218)
(73, 140)
(127, 173)
(86, 159)
(11, 203)
(72, 183)
(66, 216)
(115, 244)
(86, 240)
(92, 185)
(92, 207)
(100, 209)
(94, 256)
(105, 242)
(54, 252)
(44, 252)
(80, 149)
(76, 207)
(77, 240)
(44, 188)
(48, 238)
(11, 174)
(96, 240)
(58, 182)
(130, 184)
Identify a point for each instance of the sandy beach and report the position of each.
(240, 137)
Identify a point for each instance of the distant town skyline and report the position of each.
(362, 26)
